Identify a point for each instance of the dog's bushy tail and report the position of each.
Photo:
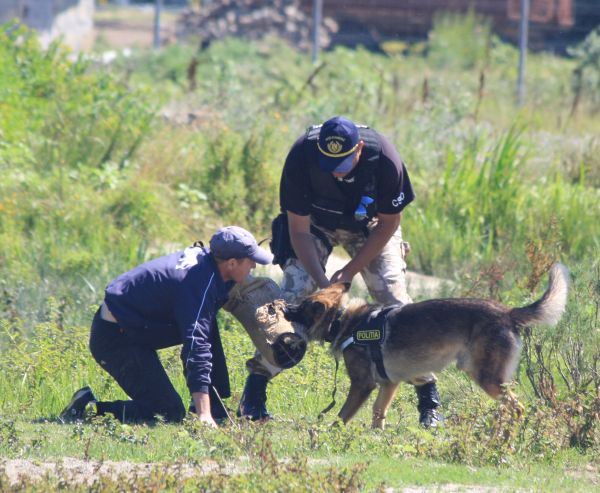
(550, 307)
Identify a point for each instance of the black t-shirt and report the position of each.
(394, 190)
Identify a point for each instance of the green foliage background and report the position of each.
(107, 166)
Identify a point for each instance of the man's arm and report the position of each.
(195, 311)
(386, 226)
(305, 248)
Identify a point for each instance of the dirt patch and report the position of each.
(450, 488)
(85, 472)
(72, 471)
(589, 472)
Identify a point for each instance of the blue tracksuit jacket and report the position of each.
(173, 300)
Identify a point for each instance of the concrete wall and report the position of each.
(71, 19)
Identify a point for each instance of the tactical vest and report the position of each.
(332, 208)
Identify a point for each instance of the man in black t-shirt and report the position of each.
(346, 185)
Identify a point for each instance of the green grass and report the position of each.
(556, 443)
(170, 445)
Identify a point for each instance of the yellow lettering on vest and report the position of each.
(368, 335)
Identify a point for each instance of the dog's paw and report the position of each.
(512, 403)
(378, 420)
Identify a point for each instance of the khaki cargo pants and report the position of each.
(385, 278)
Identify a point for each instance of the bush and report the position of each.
(586, 74)
(459, 41)
(65, 115)
(69, 135)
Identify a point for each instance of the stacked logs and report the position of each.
(253, 19)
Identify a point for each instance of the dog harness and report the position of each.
(371, 334)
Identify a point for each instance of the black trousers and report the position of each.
(139, 372)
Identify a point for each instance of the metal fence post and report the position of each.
(523, 37)
(317, 18)
(157, 10)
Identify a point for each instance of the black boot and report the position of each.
(429, 401)
(253, 404)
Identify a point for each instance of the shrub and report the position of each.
(459, 41)
(68, 137)
(586, 74)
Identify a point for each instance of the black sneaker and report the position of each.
(75, 410)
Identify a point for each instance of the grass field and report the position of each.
(105, 166)
(299, 452)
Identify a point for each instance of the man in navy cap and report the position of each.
(169, 301)
(342, 184)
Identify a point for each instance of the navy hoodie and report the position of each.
(173, 300)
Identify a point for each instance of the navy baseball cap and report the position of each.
(235, 242)
(337, 143)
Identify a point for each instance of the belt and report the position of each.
(106, 315)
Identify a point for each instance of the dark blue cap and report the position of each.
(338, 141)
(235, 242)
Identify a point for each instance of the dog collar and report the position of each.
(346, 343)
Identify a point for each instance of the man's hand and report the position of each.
(386, 226)
(208, 419)
(342, 276)
(305, 248)
(202, 403)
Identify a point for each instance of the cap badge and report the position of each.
(334, 146)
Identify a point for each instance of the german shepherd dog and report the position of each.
(482, 336)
